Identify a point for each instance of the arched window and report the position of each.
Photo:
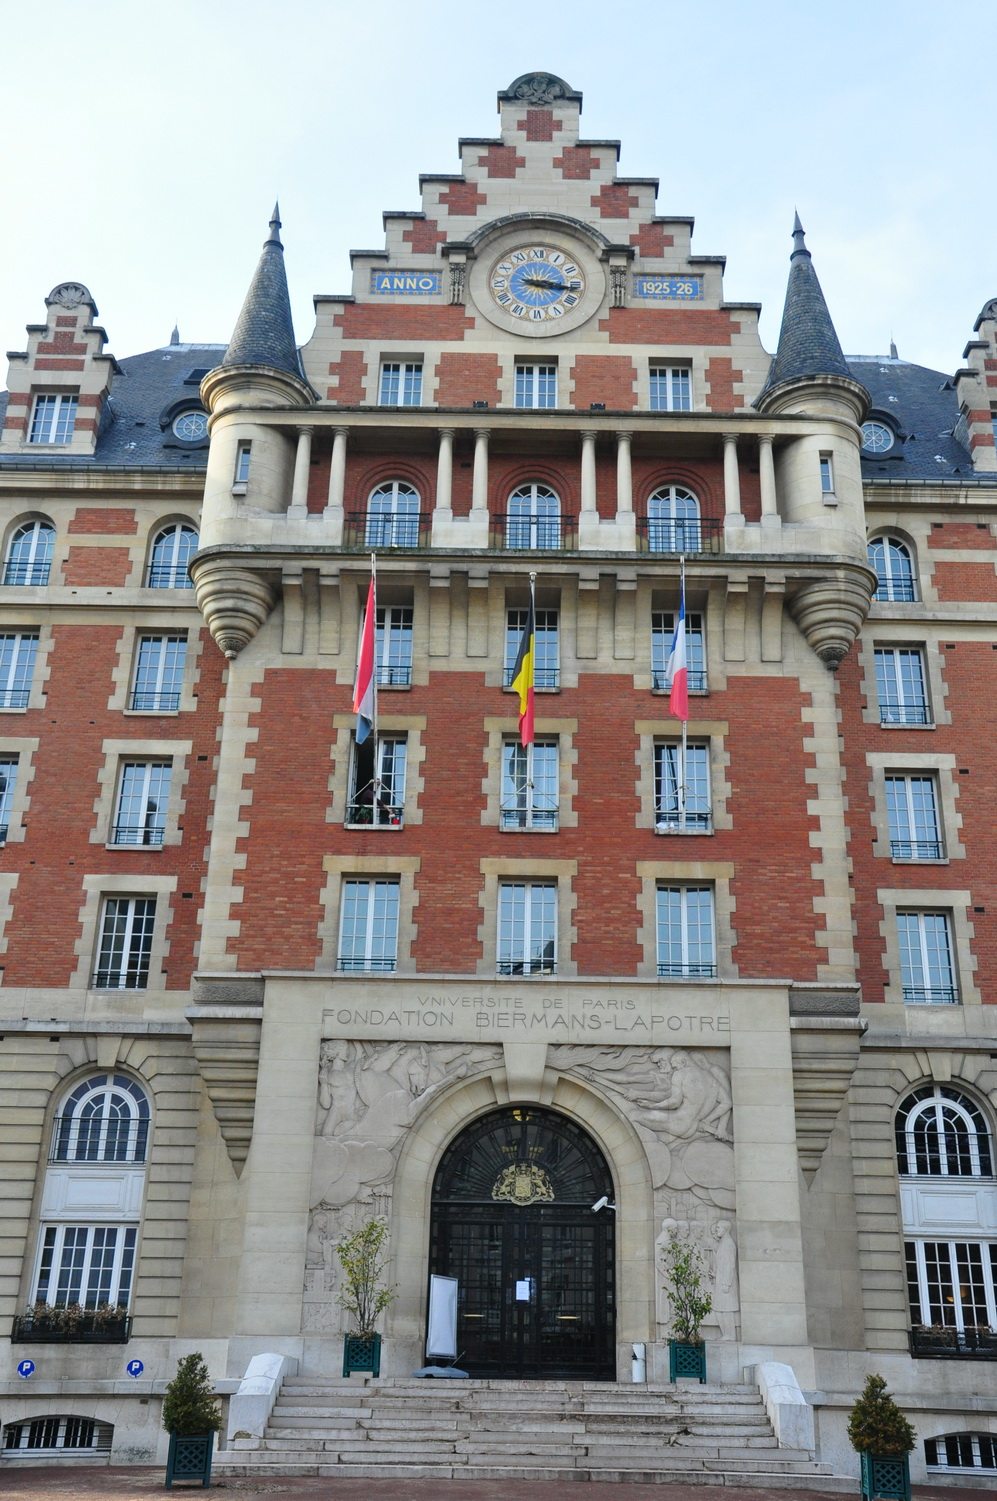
(172, 550)
(673, 523)
(105, 1119)
(393, 516)
(894, 568)
(29, 553)
(534, 518)
(940, 1132)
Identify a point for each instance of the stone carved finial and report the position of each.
(618, 285)
(458, 271)
(69, 294)
(540, 90)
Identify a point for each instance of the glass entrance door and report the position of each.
(513, 1222)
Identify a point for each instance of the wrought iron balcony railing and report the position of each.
(394, 675)
(377, 815)
(154, 702)
(917, 849)
(697, 682)
(163, 576)
(896, 591)
(72, 1326)
(517, 533)
(14, 698)
(537, 817)
(892, 712)
(691, 970)
(676, 537)
(691, 821)
(401, 529)
(129, 977)
(540, 965)
(935, 1343)
(137, 834)
(26, 573)
(364, 965)
(930, 995)
(544, 678)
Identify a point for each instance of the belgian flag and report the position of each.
(523, 675)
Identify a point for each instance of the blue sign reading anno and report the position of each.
(406, 283)
(135, 1368)
(25, 1369)
(669, 288)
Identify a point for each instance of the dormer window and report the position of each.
(191, 426)
(53, 418)
(877, 437)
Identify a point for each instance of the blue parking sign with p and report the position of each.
(25, 1369)
(135, 1368)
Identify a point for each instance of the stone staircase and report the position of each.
(526, 1430)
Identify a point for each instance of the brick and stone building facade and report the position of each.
(260, 983)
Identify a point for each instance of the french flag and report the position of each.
(676, 671)
(365, 691)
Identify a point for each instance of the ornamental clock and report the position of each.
(536, 284)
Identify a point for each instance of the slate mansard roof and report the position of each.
(920, 408)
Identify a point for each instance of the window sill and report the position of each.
(156, 713)
(893, 725)
(920, 860)
(375, 828)
(143, 849)
(528, 828)
(676, 828)
(240, 487)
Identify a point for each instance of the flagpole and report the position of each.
(685, 722)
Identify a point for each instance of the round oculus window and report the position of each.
(877, 437)
(191, 426)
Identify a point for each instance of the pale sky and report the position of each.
(144, 146)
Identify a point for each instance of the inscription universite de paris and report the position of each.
(550, 1015)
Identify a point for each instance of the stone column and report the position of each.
(337, 486)
(732, 482)
(479, 474)
(302, 465)
(588, 473)
(766, 476)
(624, 475)
(444, 472)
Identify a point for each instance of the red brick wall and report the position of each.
(961, 534)
(465, 378)
(968, 581)
(318, 477)
(97, 565)
(610, 378)
(370, 320)
(104, 521)
(665, 326)
(347, 375)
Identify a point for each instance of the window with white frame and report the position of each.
(685, 932)
(942, 1133)
(393, 646)
(912, 815)
(393, 516)
(527, 927)
(662, 631)
(377, 782)
(159, 669)
(950, 1284)
(671, 388)
(533, 518)
(368, 924)
(546, 661)
(243, 456)
(53, 417)
(17, 666)
(536, 385)
(401, 383)
(673, 520)
(529, 785)
(893, 564)
(8, 781)
(901, 687)
(682, 788)
(172, 550)
(961, 1451)
(927, 976)
(827, 474)
(124, 947)
(104, 1119)
(29, 554)
(143, 799)
(89, 1265)
(54, 1432)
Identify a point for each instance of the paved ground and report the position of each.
(136, 1483)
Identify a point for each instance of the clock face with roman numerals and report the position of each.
(537, 285)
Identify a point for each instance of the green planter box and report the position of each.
(189, 1458)
(885, 1475)
(362, 1352)
(686, 1360)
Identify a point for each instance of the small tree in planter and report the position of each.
(363, 1295)
(883, 1437)
(690, 1304)
(190, 1417)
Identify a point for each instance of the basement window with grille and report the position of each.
(53, 1434)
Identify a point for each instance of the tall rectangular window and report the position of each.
(827, 474)
(662, 631)
(685, 932)
(125, 946)
(17, 667)
(950, 1284)
(671, 388)
(912, 814)
(900, 685)
(243, 455)
(401, 383)
(529, 785)
(682, 788)
(8, 780)
(536, 385)
(159, 667)
(143, 798)
(53, 418)
(377, 782)
(527, 927)
(546, 668)
(393, 646)
(926, 973)
(86, 1264)
(368, 925)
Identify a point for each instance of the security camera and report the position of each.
(602, 1203)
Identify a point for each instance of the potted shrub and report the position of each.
(883, 1437)
(363, 1295)
(190, 1416)
(690, 1304)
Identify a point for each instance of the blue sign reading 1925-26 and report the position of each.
(669, 288)
(406, 283)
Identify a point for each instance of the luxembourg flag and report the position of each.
(365, 691)
(678, 694)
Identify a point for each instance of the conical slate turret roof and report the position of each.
(808, 344)
(264, 333)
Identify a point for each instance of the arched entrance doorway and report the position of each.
(512, 1220)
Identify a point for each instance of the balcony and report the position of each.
(131, 835)
(381, 814)
(893, 712)
(69, 1324)
(690, 821)
(673, 538)
(14, 698)
(930, 995)
(539, 816)
(366, 966)
(917, 849)
(662, 683)
(514, 532)
(937, 1343)
(145, 701)
(690, 970)
(165, 576)
(541, 965)
(391, 529)
(26, 573)
(896, 591)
